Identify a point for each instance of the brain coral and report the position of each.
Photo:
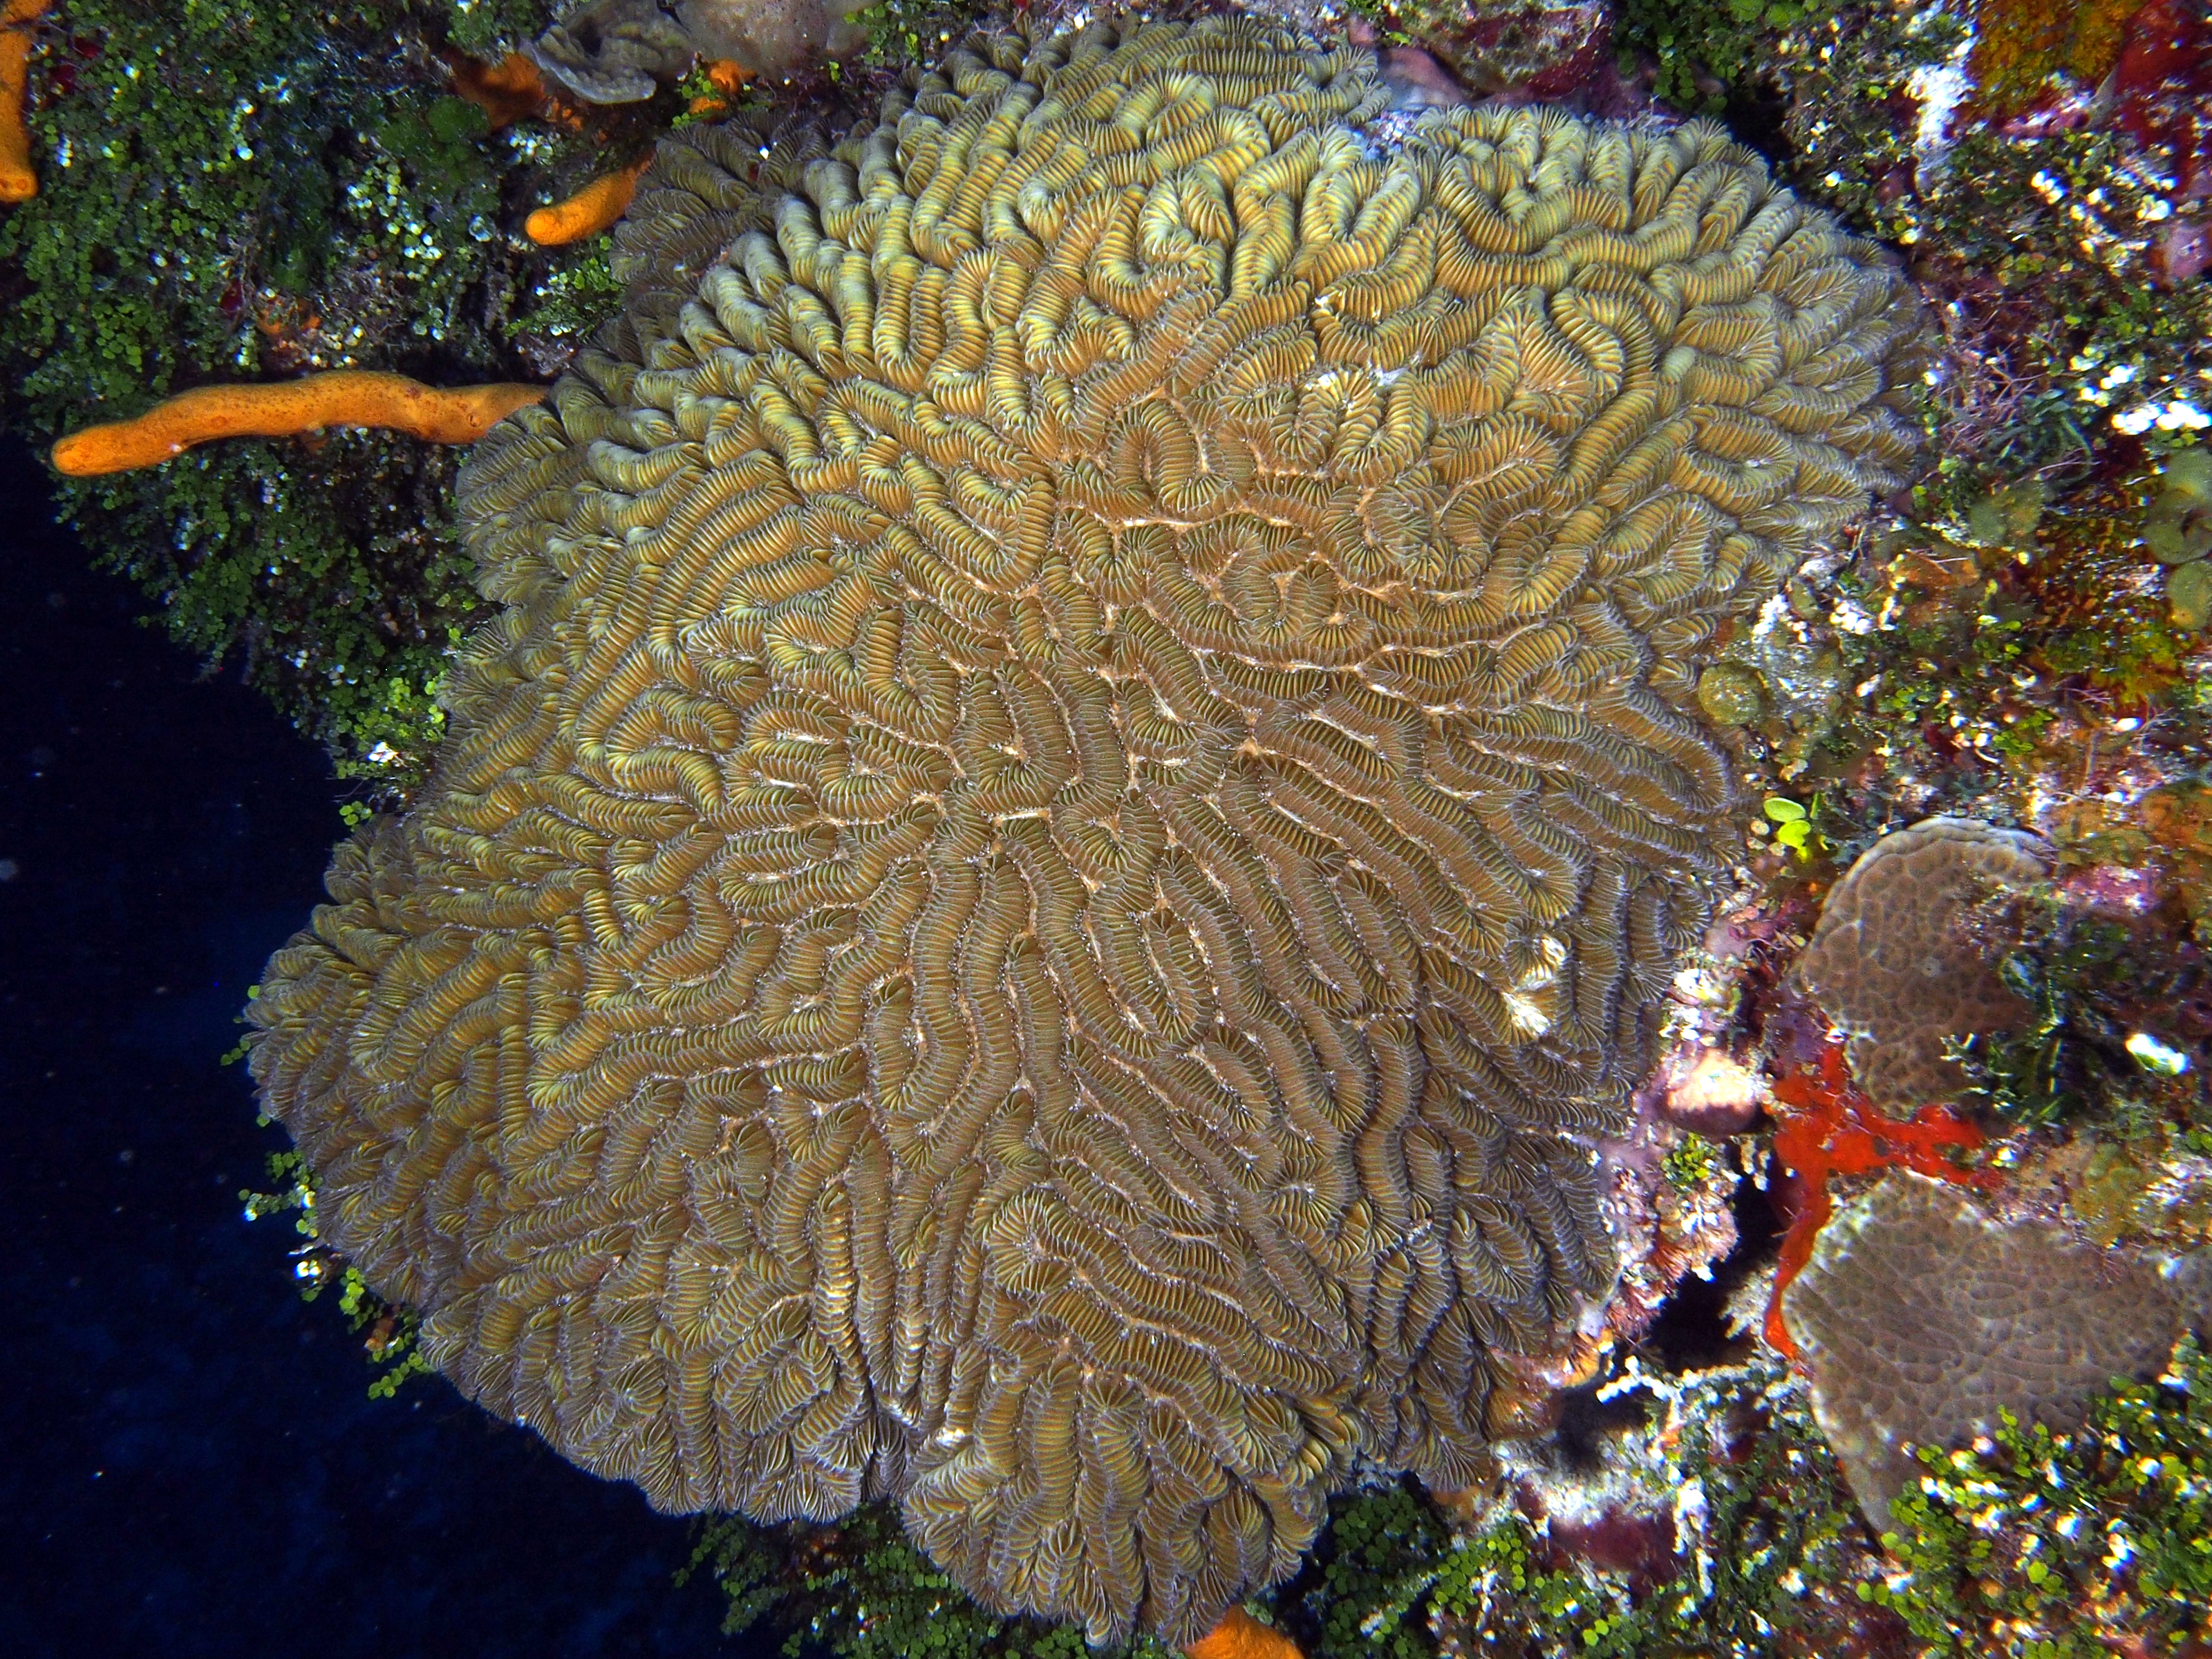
(1088, 778)
(1891, 960)
(1919, 1317)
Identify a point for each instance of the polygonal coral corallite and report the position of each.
(1088, 783)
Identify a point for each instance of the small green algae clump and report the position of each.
(2047, 1546)
(388, 1334)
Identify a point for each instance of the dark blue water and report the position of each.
(189, 1463)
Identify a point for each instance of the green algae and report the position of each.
(860, 1590)
(1733, 693)
(2108, 987)
(1708, 54)
(389, 1334)
(575, 301)
(1764, 1547)
(2037, 1545)
(241, 191)
(2045, 236)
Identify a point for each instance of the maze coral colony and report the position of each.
(1032, 844)
(1082, 799)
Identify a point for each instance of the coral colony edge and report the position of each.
(1167, 834)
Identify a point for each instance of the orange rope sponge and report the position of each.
(589, 212)
(1828, 1127)
(1240, 1636)
(17, 182)
(343, 397)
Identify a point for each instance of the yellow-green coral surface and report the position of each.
(1087, 785)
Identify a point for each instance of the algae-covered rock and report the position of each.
(1732, 694)
(621, 51)
(1541, 48)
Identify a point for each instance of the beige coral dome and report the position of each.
(1087, 786)
(1895, 963)
(1923, 1320)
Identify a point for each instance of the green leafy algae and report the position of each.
(244, 191)
(860, 1590)
(2040, 1545)
(576, 300)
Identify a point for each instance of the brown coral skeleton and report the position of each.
(343, 397)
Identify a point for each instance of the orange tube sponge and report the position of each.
(509, 91)
(726, 79)
(18, 183)
(344, 396)
(589, 212)
(1240, 1636)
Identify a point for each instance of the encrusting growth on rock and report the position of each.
(1086, 796)
(342, 396)
(19, 181)
(589, 212)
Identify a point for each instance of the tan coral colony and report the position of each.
(1893, 961)
(1087, 784)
